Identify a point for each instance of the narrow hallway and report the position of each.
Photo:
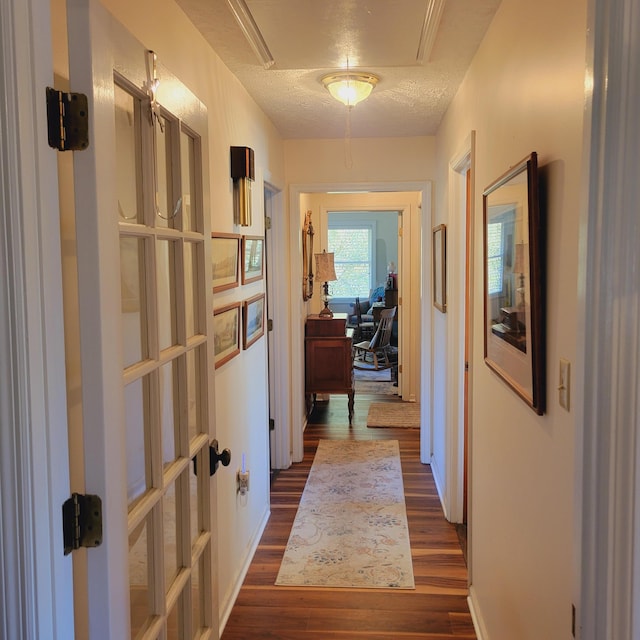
(437, 609)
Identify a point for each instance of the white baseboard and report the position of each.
(476, 615)
(225, 611)
(439, 485)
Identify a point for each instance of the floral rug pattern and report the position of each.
(351, 526)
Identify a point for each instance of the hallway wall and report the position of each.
(524, 92)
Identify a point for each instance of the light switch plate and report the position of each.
(564, 383)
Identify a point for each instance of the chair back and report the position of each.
(382, 336)
(358, 312)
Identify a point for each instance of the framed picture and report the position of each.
(514, 282)
(226, 336)
(439, 252)
(253, 258)
(253, 320)
(225, 252)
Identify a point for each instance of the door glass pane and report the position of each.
(133, 313)
(136, 406)
(170, 519)
(169, 416)
(190, 288)
(187, 159)
(139, 596)
(167, 333)
(128, 154)
(194, 409)
(166, 207)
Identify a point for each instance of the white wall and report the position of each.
(241, 389)
(524, 92)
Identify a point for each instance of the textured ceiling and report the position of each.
(310, 38)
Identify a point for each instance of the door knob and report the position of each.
(215, 457)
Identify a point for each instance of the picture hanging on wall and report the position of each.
(253, 258)
(253, 319)
(439, 252)
(226, 327)
(225, 252)
(514, 282)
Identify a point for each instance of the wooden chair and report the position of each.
(364, 329)
(378, 345)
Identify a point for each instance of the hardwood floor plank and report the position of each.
(435, 610)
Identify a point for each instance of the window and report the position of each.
(352, 247)
(495, 257)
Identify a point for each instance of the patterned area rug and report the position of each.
(374, 382)
(394, 414)
(351, 526)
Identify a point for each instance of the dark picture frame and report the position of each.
(225, 261)
(253, 316)
(514, 301)
(439, 253)
(226, 333)
(252, 258)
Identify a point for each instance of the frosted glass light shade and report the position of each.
(350, 87)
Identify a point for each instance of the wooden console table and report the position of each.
(328, 359)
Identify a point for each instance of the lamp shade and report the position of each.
(325, 271)
(350, 87)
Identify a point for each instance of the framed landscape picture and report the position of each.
(253, 258)
(225, 252)
(226, 337)
(253, 319)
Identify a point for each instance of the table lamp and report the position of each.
(325, 272)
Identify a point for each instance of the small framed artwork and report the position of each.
(253, 258)
(253, 319)
(439, 251)
(226, 333)
(225, 252)
(514, 297)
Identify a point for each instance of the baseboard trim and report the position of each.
(439, 486)
(228, 606)
(476, 615)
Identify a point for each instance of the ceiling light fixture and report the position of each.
(251, 32)
(350, 87)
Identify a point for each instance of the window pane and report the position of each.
(352, 259)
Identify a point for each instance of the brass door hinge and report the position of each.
(81, 522)
(67, 120)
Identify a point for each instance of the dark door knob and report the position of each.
(215, 457)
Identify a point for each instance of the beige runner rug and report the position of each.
(394, 414)
(351, 526)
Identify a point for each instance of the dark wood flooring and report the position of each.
(436, 610)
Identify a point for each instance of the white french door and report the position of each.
(142, 225)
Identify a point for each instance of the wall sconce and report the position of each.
(242, 174)
(325, 272)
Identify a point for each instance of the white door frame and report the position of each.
(36, 583)
(296, 381)
(462, 162)
(607, 589)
